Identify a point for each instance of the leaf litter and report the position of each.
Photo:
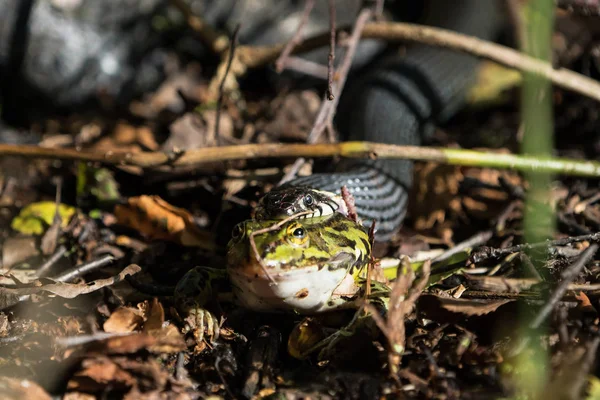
(446, 337)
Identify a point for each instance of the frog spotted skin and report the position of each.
(284, 202)
(309, 265)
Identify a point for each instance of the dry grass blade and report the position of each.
(403, 298)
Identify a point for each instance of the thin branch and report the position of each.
(222, 84)
(371, 150)
(296, 39)
(472, 242)
(254, 57)
(324, 119)
(214, 41)
(327, 111)
(331, 57)
(567, 276)
(306, 67)
(488, 253)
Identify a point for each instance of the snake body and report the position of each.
(398, 101)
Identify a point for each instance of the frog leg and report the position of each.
(306, 338)
(192, 293)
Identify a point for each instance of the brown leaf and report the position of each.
(97, 374)
(158, 220)
(17, 250)
(155, 316)
(123, 344)
(17, 389)
(468, 307)
(78, 396)
(71, 290)
(167, 97)
(294, 116)
(434, 193)
(122, 320)
(168, 340)
(194, 131)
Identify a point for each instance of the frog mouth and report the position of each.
(307, 289)
(274, 270)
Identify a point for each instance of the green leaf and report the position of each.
(594, 388)
(37, 217)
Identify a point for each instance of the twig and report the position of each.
(215, 42)
(254, 57)
(327, 112)
(568, 275)
(296, 39)
(306, 67)
(474, 241)
(488, 253)
(45, 267)
(331, 57)
(208, 155)
(69, 341)
(83, 269)
(233, 43)
(325, 116)
(402, 301)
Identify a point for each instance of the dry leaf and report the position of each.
(19, 249)
(294, 116)
(468, 307)
(194, 131)
(128, 344)
(71, 290)
(122, 320)
(98, 373)
(158, 220)
(17, 389)
(168, 340)
(155, 316)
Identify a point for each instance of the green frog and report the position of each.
(307, 266)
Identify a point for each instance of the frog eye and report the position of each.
(237, 231)
(297, 234)
(308, 200)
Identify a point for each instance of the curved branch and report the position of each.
(254, 57)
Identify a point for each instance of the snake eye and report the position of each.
(308, 200)
(297, 234)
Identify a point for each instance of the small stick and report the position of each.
(473, 241)
(331, 57)
(325, 117)
(327, 112)
(45, 267)
(215, 42)
(296, 39)
(488, 253)
(222, 84)
(83, 269)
